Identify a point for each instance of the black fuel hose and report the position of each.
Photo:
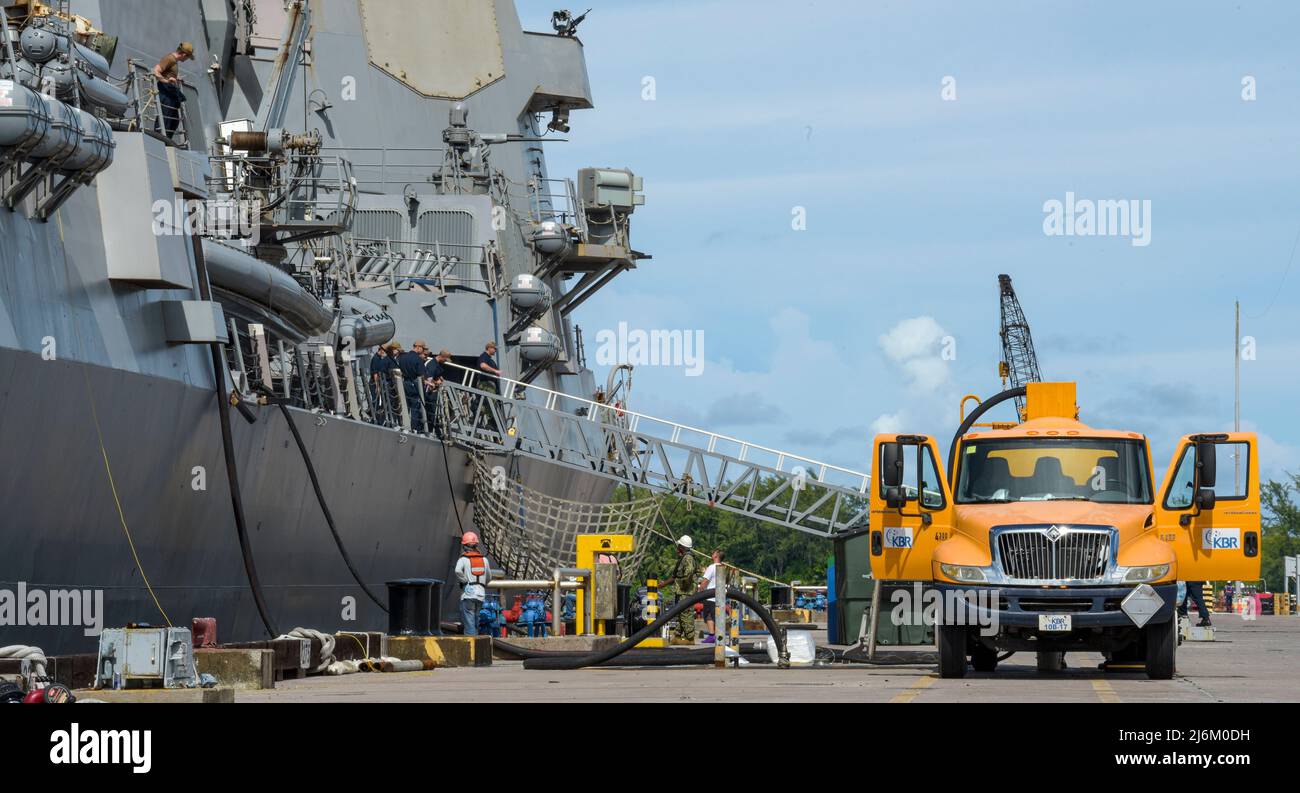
(597, 658)
(228, 446)
(980, 410)
(329, 517)
(669, 656)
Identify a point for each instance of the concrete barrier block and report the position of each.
(443, 651)
(246, 669)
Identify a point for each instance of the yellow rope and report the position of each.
(103, 450)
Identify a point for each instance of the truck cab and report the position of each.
(1051, 536)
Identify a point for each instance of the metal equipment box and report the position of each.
(139, 185)
(194, 322)
(607, 187)
(145, 657)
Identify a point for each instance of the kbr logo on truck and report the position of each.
(1221, 539)
(898, 537)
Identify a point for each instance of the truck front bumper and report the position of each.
(1088, 607)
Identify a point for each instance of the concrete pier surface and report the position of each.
(1249, 662)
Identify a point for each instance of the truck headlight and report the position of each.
(964, 573)
(1142, 575)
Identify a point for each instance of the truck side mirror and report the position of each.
(1206, 460)
(1205, 498)
(891, 465)
(894, 497)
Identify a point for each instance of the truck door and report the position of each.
(1208, 507)
(911, 508)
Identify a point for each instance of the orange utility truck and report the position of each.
(1050, 536)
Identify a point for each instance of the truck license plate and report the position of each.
(1054, 622)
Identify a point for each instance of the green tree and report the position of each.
(779, 553)
(1281, 527)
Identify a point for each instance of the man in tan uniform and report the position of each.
(168, 75)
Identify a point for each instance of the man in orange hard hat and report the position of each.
(473, 574)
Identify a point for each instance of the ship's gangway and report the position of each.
(663, 456)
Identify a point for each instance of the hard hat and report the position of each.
(186, 48)
(469, 538)
(686, 542)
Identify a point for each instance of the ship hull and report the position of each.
(399, 503)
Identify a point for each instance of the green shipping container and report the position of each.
(853, 590)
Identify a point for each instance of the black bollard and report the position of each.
(414, 607)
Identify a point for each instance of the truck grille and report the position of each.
(1054, 553)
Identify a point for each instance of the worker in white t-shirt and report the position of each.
(710, 582)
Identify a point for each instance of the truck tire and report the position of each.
(1051, 661)
(951, 641)
(984, 659)
(1161, 645)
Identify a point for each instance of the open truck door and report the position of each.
(1208, 507)
(911, 508)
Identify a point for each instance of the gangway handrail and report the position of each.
(634, 418)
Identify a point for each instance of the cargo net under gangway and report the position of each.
(668, 459)
(530, 534)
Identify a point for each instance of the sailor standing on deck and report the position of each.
(489, 372)
(473, 574)
(167, 73)
(411, 363)
(683, 580)
(381, 366)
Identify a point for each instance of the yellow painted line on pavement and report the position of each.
(914, 690)
(1105, 691)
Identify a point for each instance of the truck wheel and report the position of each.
(984, 659)
(951, 641)
(1162, 644)
(1050, 661)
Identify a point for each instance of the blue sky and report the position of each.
(816, 339)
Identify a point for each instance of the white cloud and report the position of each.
(914, 344)
(912, 338)
(889, 424)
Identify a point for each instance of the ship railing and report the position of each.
(318, 378)
(303, 196)
(557, 200)
(145, 113)
(385, 170)
(313, 377)
(622, 419)
(499, 414)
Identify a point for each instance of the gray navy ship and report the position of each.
(193, 295)
(344, 174)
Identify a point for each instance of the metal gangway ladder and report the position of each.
(507, 416)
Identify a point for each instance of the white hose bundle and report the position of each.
(326, 640)
(23, 652)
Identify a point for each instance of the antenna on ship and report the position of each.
(1019, 364)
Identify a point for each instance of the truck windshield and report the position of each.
(1106, 470)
